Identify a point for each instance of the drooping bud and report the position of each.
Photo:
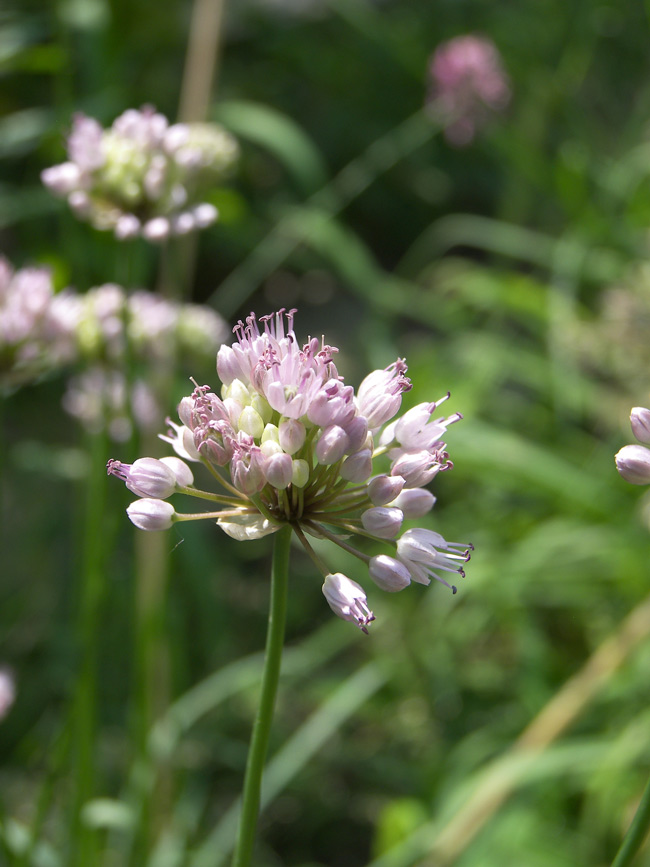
(347, 600)
(357, 431)
(388, 573)
(382, 521)
(151, 514)
(640, 421)
(633, 464)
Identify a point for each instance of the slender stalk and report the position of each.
(636, 833)
(262, 726)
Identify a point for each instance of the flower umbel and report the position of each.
(142, 176)
(290, 443)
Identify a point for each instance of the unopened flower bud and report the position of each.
(357, 467)
(261, 406)
(388, 573)
(127, 226)
(414, 502)
(382, 521)
(357, 431)
(151, 514)
(179, 468)
(384, 489)
(270, 434)
(279, 471)
(270, 448)
(205, 214)
(633, 464)
(238, 391)
(292, 435)
(640, 421)
(347, 600)
(299, 473)
(147, 477)
(332, 445)
(251, 422)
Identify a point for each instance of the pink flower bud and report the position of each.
(279, 471)
(292, 435)
(357, 431)
(156, 230)
(151, 514)
(384, 489)
(640, 421)
(147, 477)
(414, 502)
(332, 445)
(347, 600)
(388, 573)
(382, 521)
(357, 467)
(247, 470)
(633, 464)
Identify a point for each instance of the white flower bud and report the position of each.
(640, 421)
(332, 445)
(270, 434)
(388, 573)
(261, 405)
(251, 422)
(151, 514)
(279, 471)
(292, 435)
(633, 464)
(299, 473)
(414, 502)
(382, 521)
(383, 489)
(270, 447)
(238, 391)
(357, 467)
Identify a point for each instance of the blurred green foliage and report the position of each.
(491, 268)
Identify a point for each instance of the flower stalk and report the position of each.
(262, 725)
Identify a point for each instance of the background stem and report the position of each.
(270, 677)
(636, 833)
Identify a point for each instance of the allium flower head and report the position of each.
(290, 443)
(142, 176)
(468, 83)
(35, 335)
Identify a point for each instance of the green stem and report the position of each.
(636, 832)
(270, 677)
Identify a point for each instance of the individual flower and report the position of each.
(142, 176)
(633, 462)
(289, 442)
(467, 84)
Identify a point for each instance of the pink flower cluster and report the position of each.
(290, 443)
(468, 83)
(142, 176)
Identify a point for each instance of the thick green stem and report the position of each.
(636, 833)
(270, 677)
